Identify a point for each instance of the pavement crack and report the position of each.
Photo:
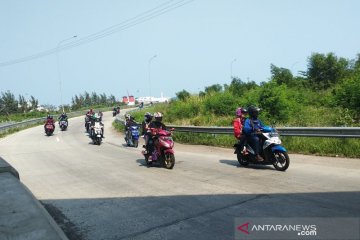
(136, 234)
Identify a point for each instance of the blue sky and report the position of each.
(195, 44)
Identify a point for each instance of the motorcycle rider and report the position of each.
(238, 124)
(156, 124)
(252, 127)
(100, 114)
(129, 121)
(145, 126)
(49, 120)
(63, 117)
(96, 118)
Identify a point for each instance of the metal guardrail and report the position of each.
(26, 123)
(334, 132)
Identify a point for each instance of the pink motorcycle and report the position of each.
(163, 151)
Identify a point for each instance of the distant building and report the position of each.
(129, 100)
(147, 100)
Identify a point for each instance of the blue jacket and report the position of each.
(251, 125)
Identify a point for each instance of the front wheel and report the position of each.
(281, 160)
(136, 143)
(241, 160)
(148, 163)
(169, 160)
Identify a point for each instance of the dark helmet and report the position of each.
(148, 117)
(253, 111)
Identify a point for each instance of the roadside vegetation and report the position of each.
(326, 94)
(14, 109)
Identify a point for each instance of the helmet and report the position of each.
(253, 111)
(158, 116)
(127, 116)
(240, 111)
(148, 117)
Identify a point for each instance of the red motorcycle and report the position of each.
(49, 129)
(162, 151)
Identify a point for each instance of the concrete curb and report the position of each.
(21, 214)
(6, 167)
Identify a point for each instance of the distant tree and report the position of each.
(34, 103)
(215, 88)
(202, 94)
(325, 71)
(183, 95)
(111, 100)
(50, 107)
(94, 98)
(357, 62)
(238, 87)
(87, 99)
(281, 75)
(22, 104)
(103, 99)
(81, 101)
(8, 103)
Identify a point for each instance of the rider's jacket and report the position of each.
(251, 125)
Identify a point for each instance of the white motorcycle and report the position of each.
(96, 132)
(63, 125)
(272, 151)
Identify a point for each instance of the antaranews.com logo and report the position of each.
(297, 228)
(300, 230)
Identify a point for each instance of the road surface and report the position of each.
(107, 191)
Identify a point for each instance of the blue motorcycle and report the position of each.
(132, 138)
(271, 150)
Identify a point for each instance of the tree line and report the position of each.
(9, 104)
(93, 99)
(327, 92)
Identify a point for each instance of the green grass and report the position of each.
(14, 130)
(345, 147)
(349, 147)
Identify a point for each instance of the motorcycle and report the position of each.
(49, 129)
(272, 151)
(162, 149)
(116, 111)
(63, 124)
(96, 132)
(133, 136)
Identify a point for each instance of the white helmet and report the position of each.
(158, 116)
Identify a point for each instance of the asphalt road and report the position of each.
(107, 192)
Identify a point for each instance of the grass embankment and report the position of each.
(349, 147)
